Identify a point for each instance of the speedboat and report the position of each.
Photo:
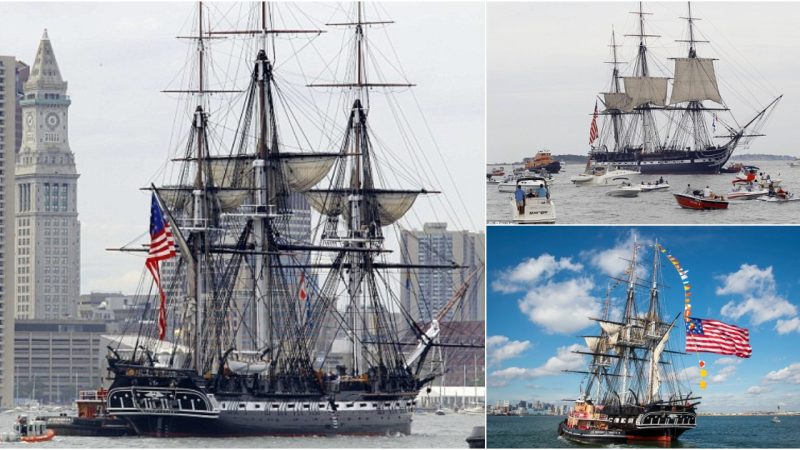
(695, 201)
(601, 176)
(787, 197)
(625, 190)
(775, 419)
(510, 184)
(654, 186)
(747, 192)
(535, 210)
(26, 430)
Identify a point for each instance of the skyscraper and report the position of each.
(47, 227)
(426, 291)
(12, 74)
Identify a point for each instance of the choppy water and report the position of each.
(711, 432)
(428, 431)
(590, 205)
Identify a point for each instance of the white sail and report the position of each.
(655, 375)
(617, 100)
(644, 90)
(303, 171)
(612, 329)
(695, 80)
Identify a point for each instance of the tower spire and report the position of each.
(45, 72)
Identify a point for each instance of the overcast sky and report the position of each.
(546, 66)
(117, 57)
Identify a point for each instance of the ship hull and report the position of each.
(622, 435)
(92, 427)
(668, 162)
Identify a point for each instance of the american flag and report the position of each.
(162, 247)
(593, 128)
(713, 336)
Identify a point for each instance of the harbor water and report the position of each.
(590, 205)
(711, 432)
(428, 431)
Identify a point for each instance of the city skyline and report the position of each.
(546, 292)
(117, 57)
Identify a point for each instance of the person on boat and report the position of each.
(771, 190)
(707, 192)
(781, 194)
(543, 192)
(688, 189)
(660, 180)
(520, 196)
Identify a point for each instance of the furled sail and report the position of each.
(391, 204)
(644, 90)
(303, 170)
(612, 329)
(695, 80)
(617, 101)
(592, 342)
(233, 179)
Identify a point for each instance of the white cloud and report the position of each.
(565, 359)
(722, 375)
(728, 361)
(755, 390)
(615, 261)
(500, 348)
(532, 271)
(789, 374)
(788, 326)
(561, 307)
(760, 299)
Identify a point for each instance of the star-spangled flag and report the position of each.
(162, 247)
(593, 133)
(713, 336)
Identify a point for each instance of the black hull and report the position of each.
(92, 427)
(553, 167)
(265, 423)
(668, 162)
(622, 435)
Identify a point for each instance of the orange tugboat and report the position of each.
(542, 160)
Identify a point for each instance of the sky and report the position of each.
(543, 284)
(118, 56)
(545, 67)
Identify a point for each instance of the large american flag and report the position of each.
(593, 128)
(713, 336)
(162, 246)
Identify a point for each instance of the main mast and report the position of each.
(644, 90)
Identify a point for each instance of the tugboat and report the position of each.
(92, 419)
(624, 398)
(543, 160)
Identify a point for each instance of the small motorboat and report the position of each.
(440, 412)
(776, 419)
(659, 185)
(746, 192)
(26, 430)
(535, 209)
(695, 201)
(477, 438)
(601, 176)
(625, 190)
(779, 198)
(509, 184)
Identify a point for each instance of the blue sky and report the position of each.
(544, 281)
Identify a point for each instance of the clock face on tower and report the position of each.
(29, 119)
(52, 120)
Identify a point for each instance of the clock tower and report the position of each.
(47, 228)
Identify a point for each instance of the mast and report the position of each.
(628, 316)
(641, 70)
(616, 117)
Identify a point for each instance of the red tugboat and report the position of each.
(631, 392)
(696, 201)
(92, 419)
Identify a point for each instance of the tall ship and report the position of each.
(245, 343)
(670, 123)
(632, 389)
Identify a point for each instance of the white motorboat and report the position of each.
(625, 191)
(795, 163)
(656, 186)
(601, 176)
(747, 192)
(779, 198)
(535, 209)
(511, 185)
